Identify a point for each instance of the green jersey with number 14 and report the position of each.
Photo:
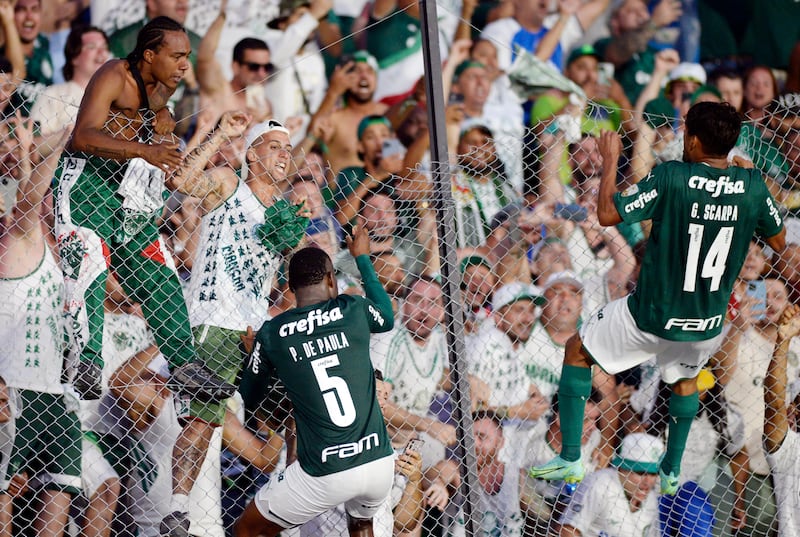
(703, 221)
(321, 354)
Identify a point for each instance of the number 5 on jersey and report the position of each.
(335, 392)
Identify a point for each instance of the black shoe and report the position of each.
(175, 524)
(199, 382)
(87, 380)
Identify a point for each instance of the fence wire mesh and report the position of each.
(118, 265)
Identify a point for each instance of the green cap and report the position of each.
(583, 50)
(362, 56)
(372, 120)
(466, 64)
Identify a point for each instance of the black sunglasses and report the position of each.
(254, 67)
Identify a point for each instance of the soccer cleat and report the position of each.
(175, 524)
(559, 470)
(199, 382)
(669, 483)
(87, 380)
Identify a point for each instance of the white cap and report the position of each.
(512, 292)
(639, 452)
(255, 132)
(688, 71)
(564, 276)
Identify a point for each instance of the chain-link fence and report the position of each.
(117, 270)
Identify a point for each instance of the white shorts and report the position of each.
(293, 497)
(616, 344)
(95, 468)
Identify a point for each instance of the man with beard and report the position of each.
(494, 355)
(353, 81)
(413, 358)
(480, 189)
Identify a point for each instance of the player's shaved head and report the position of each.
(308, 267)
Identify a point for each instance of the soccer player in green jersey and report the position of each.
(704, 213)
(320, 351)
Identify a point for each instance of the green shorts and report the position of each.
(47, 441)
(221, 350)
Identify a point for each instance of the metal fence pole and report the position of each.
(451, 278)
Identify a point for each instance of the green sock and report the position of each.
(573, 391)
(682, 411)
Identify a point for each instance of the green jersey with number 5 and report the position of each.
(321, 354)
(703, 221)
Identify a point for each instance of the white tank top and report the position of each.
(31, 328)
(232, 273)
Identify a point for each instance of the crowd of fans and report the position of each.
(344, 81)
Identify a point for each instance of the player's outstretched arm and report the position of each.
(776, 422)
(358, 244)
(610, 146)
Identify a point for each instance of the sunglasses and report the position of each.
(255, 67)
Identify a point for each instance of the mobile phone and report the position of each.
(392, 147)
(570, 211)
(8, 189)
(757, 289)
(455, 98)
(415, 444)
(605, 73)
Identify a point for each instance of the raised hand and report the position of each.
(358, 242)
(234, 123)
(610, 145)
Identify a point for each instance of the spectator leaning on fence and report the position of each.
(672, 198)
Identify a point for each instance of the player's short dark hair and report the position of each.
(716, 125)
(308, 267)
(74, 46)
(152, 36)
(248, 43)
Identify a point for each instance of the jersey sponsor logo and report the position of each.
(773, 212)
(255, 358)
(314, 319)
(376, 315)
(694, 325)
(716, 187)
(351, 449)
(641, 200)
